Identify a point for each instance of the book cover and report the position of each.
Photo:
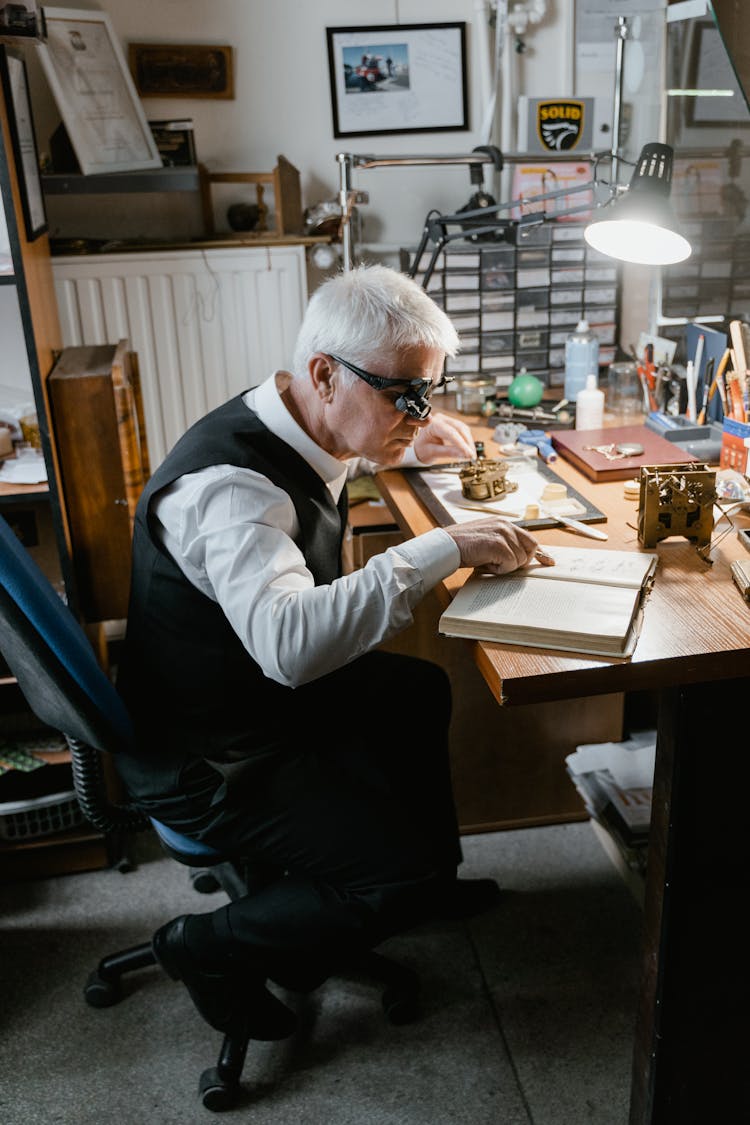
(714, 343)
(582, 449)
(175, 142)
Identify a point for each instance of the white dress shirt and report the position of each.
(231, 531)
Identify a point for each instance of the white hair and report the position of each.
(360, 313)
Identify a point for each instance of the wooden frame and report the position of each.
(89, 78)
(16, 91)
(284, 180)
(397, 78)
(170, 70)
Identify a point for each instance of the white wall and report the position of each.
(282, 95)
(282, 105)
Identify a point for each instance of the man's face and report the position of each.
(367, 421)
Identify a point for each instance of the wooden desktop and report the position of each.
(693, 653)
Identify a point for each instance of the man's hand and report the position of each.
(496, 545)
(444, 438)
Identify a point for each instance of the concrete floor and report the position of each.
(527, 1018)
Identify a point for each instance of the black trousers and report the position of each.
(356, 820)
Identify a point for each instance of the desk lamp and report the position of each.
(642, 227)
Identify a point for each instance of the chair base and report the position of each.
(219, 1086)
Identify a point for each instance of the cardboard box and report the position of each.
(735, 441)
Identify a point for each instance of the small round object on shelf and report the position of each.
(525, 390)
(243, 216)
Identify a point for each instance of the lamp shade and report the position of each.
(641, 226)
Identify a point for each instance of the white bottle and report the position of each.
(581, 358)
(590, 406)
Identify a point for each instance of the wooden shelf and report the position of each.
(22, 493)
(148, 179)
(43, 527)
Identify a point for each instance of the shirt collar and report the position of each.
(267, 403)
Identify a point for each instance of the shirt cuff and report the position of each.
(435, 554)
(410, 460)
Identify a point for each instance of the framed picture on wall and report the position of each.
(89, 78)
(181, 71)
(710, 69)
(16, 93)
(400, 78)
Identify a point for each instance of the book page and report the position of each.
(564, 608)
(592, 564)
(513, 609)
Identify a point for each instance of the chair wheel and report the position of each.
(203, 880)
(100, 992)
(216, 1093)
(400, 1006)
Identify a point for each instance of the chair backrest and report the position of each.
(57, 671)
(51, 657)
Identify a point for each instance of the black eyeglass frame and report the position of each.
(415, 399)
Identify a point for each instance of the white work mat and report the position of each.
(445, 485)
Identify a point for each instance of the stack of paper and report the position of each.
(615, 780)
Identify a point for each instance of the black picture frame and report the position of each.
(710, 68)
(23, 139)
(398, 78)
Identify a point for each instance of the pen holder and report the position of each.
(735, 440)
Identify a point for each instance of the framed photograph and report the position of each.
(87, 73)
(16, 93)
(710, 70)
(166, 70)
(402, 78)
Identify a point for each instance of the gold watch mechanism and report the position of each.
(485, 479)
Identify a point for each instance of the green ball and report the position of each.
(525, 390)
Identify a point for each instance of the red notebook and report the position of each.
(571, 444)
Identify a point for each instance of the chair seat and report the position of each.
(184, 848)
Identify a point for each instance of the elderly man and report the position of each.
(267, 718)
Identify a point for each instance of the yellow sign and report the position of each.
(559, 123)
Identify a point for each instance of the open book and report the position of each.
(587, 602)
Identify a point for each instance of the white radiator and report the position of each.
(205, 324)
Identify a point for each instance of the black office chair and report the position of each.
(49, 654)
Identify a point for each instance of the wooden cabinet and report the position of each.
(30, 337)
(97, 422)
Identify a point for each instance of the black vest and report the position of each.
(192, 688)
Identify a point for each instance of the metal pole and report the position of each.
(347, 161)
(621, 31)
(344, 161)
